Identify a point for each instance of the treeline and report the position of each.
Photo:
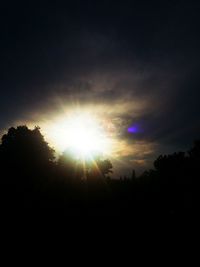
(31, 177)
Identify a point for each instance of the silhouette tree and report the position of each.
(171, 167)
(83, 168)
(105, 166)
(26, 164)
(22, 145)
(69, 166)
(25, 157)
(194, 162)
(133, 176)
(31, 176)
(194, 152)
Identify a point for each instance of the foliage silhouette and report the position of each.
(24, 158)
(32, 177)
(84, 168)
(25, 146)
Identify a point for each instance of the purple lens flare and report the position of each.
(134, 129)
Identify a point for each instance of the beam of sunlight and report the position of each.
(81, 133)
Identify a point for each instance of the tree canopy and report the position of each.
(28, 146)
(31, 176)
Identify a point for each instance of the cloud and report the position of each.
(133, 64)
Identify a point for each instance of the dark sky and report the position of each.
(140, 57)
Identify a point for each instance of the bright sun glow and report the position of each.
(83, 134)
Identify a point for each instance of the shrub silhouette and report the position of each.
(22, 146)
(84, 169)
(26, 161)
(69, 167)
(30, 176)
(194, 152)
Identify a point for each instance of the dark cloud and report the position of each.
(138, 58)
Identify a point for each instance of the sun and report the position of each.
(81, 133)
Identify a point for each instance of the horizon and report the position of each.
(133, 65)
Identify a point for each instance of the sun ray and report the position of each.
(82, 133)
